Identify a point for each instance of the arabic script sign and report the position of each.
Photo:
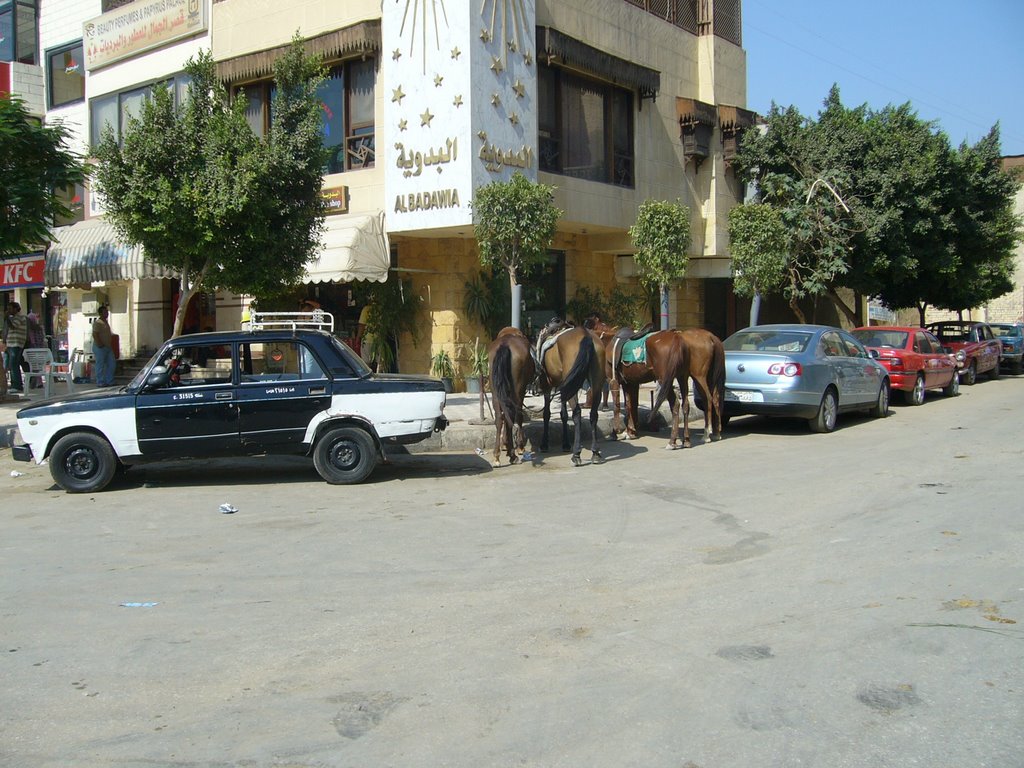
(140, 26)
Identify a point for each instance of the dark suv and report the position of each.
(287, 385)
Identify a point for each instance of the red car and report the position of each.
(915, 359)
(977, 349)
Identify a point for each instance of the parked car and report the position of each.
(1012, 337)
(286, 386)
(914, 358)
(812, 372)
(976, 348)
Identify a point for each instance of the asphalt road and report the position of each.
(779, 598)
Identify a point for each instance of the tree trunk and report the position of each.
(920, 311)
(755, 308)
(850, 315)
(795, 306)
(188, 290)
(664, 307)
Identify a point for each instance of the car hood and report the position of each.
(80, 401)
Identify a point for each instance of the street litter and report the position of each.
(138, 605)
(16, 473)
(528, 456)
(228, 509)
(479, 451)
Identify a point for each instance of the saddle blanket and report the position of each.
(635, 351)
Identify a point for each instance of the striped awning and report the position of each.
(91, 251)
(355, 247)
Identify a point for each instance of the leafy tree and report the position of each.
(207, 198)
(34, 163)
(661, 236)
(759, 244)
(515, 223)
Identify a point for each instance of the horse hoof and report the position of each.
(686, 444)
(495, 464)
(513, 460)
(671, 447)
(597, 458)
(577, 461)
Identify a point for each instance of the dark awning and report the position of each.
(91, 251)
(553, 44)
(358, 38)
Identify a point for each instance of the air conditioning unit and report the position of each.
(92, 301)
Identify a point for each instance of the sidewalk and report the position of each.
(466, 432)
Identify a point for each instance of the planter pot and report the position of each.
(449, 385)
(473, 384)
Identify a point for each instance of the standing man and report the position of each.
(366, 339)
(15, 336)
(102, 349)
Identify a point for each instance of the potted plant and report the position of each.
(478, 367)
(442, 366)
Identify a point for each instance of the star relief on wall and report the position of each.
(403, 124)
(438, 79)
(456, 52)
(497, 65)
(519, 88)
(514, 119)
(397, 95)
(496, 99)
(425, 118)
(396, 54)
(457, 101)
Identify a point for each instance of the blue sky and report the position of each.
(959, 63)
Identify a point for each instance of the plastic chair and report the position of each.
(38, 361)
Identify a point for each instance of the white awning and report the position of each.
(355, 247)
(90, 251)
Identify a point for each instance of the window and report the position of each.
(73, 198)
(346, 111)
(65, 75)
(19, 31)
(116, 109)
(585, 127)
(279, 361)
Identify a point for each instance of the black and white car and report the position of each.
(287, 385)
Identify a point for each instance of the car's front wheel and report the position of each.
(82, 462)
(995, 372)
(828, 412)
(971, 374)
(345, 455)
(916, 395)
(953, 388)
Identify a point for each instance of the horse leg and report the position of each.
(547, 421)
(596, 458)
(633, 410)
(684, 394)
(673, 405)
(617, 425)
(499, 421)
(709, 411)
(565, 423)
(577, 422)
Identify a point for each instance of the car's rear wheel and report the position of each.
(953, 388)
(82, 462)
(971, 375)
(916, 395)
(828, 413)
(1017, 366)
(881, 409)
(345, 455)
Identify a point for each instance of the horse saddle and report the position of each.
(630, 347)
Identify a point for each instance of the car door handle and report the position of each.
(223, 396)
(318, 390)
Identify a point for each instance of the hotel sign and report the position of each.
(140, 26)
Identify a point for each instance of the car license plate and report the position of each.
(743, 396)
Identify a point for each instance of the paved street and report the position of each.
(777, 599)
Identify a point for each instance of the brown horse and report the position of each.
(672, 357)
(512, 371)
(570, 358)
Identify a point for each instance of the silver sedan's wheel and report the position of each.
(881, 409)
(916, 395)
(828, 413)
(345, 455)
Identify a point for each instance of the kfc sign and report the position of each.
(24, 272)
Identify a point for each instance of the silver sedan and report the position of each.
(813, 372)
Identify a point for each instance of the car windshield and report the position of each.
(876, 338)
(1007, 331)
(140, 378)
(767, 341)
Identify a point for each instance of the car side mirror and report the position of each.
(874, 353)
(159, 377)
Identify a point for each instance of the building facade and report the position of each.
(611, 102)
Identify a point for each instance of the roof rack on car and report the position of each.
(315, 320)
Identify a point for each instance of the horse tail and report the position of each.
(502, 385)
(668, 376)
(716, 377)
(580, 371)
